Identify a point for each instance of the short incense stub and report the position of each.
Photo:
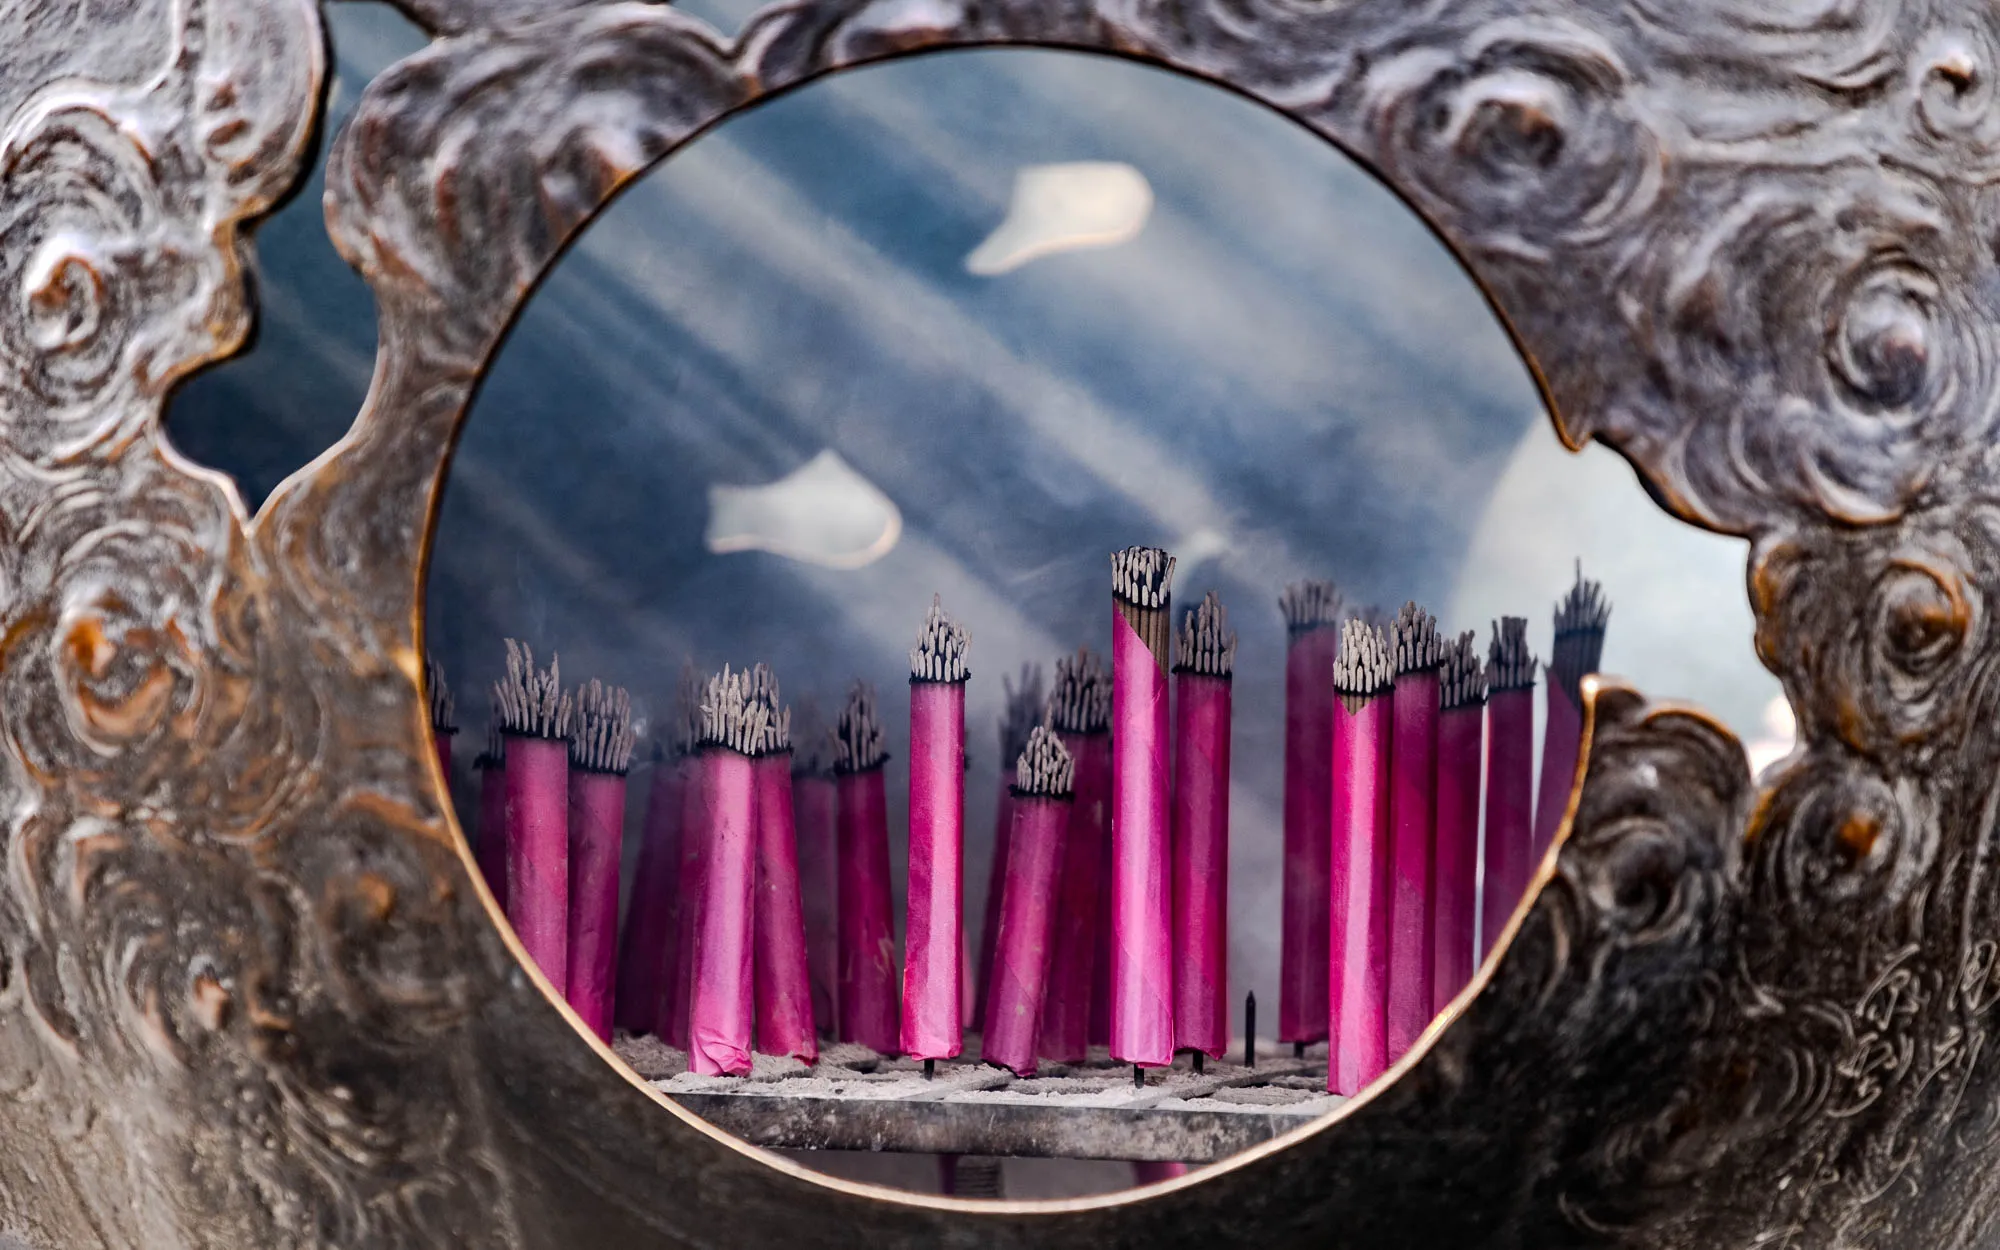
(1417, 645)
(1579, 642)
(1461, 680)
(1081, 700)
(1207, 644)
(1509, 663)
(1362, 670)
(1026, 706)
(940, 651)
(601, 737)
(1045, 767)
(777, 735)
(1311, 605)
(732, 716)
(444, 708)
(857, 735)
(1141, 587)
(532, 704)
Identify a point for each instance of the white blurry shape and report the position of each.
(1781, 734)
(822, 513)
(1065, 208)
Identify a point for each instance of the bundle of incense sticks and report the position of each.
(866, 986)
(933, 934)
(1043, 799)
(1412, 824)
(1025, 705)
(491, 765)
(600, 753)
(1359, 938)
(1579, 646)
(1313, 612)
(1080, 713)
(735, 729)
(814, 807)
(783, 976)
(444, 715)
(649, 950)
(678, 963)
(1455, 869)
(1142, 1025)
(1510, 777)
(1202, 679)
(534, 726)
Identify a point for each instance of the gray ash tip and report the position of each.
(1415, 633)
(601, 737)
(1579, 642)
(1362, 668)
(778, 718)
(812, 741)
(1026, 705)
(732, 716)
(1142, 576)
(1311, 605)
(444, 708)
(857, 735)
(495, 754)
(1045, 766)
(1462, 681)
(1509, 665)
(940, 651)
(532, 703)
(1081, 700)
(1207, 645)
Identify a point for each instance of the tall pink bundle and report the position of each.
(1412, 824)
(866, 1006)
(600, 752)
(1510, 777)
(534, 718)
(933, 931)
(735, 727)
(1028, 904)
(491, 765)
(1142, 1022)
(1024, 707)
(679, 995)
(1455, 870)
(1080, 712)
(1579, 646)
(1312, 613)
(650, 947)
(1358, 949)
(815, 804)
(444, 722)
(1201, 829)
(782, 977)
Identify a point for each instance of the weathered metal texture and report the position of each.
(250, 994)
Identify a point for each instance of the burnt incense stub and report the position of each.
(1206, 644)
(600, 736)
(939, 655)
(1045, 768)
(1080, 702)
(1310, 605)
(1509, 663)
(1581, 618)
(1414, 641)
(1363, 669)
(531, 702)
(857, 734)
(1461, 679)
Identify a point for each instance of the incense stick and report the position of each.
(1579, 645)
(1142, 1026)
(1359, 942)
(815, 804)
(1412, 820)
(1200, 847)
(1313, 611)
(1043, 795)
(1079, 711)
(534, 722)
(444, 715)
(1025, 704)
(1510, 776)
(600, 753)
(1455, 873)
(720, 1011)
(677, 963)
(491, 765)
(867, 1007)
(933, 934)
(782, 974)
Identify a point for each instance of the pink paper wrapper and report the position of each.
(1027, 927)
(1510, 804)
(1562, 740)
(1201, 864)
(814, 804)
(596, 836)
(650, 947)
(679, 991)
(996, 881)
(493, 831)
(1455, 871)
(537, 825)
(1142, 1020)
(867, 986)
(932, 1015)
(1302, 950)
(783, 977)
(721, 1002)
(1358, 946)
(1412, 836)
(1067, 999)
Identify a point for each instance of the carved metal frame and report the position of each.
(251, 993)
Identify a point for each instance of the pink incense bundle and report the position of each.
(782, 977)
(534, 723)
(491, 765)
(1024, 706)
(600, 752)
(1579, 646)
(735, 728)
(649, 953)
(1080, 712)
(1142, 1019)
(1455, 871)
(933, 933)
(1202, 680)
(815, 804)
(1043, 798)
(1358, 924)
(1510, 777)
(1412, 824)
(444, 716)
(1312, 612)
(866, 989)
